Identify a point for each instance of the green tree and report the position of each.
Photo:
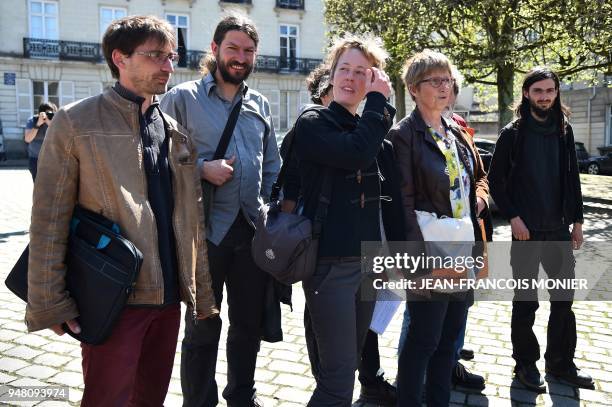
(490, 41)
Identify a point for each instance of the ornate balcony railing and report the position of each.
(65, 50)
(291, 4)
(92, 52)
(274, 64)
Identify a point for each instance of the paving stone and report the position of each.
(5, 346)
(595, 396)
(75, 395)
(12, 364)
(37, 372)
(266, 389)
(292, 380)
(67, 378)
(27, 382)
(8, 335)
(62, 348)
(34, 341)
(51, 359)
(293, 395)
(6, 378)
(23, 352)
(283, 366)
(75, 365)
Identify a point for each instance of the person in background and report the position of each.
(533, 151)
(35, 131)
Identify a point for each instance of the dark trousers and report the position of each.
(231, 264)
(369, 366)
(340, 320)
(133, 366)
(430, 347)
(32, 166)
(554, 251)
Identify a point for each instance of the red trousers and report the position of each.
(134, 365)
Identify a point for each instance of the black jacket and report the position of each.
(506, 179)
(350, 157)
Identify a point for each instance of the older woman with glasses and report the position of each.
(440, 173)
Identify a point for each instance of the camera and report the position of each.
(49, 114)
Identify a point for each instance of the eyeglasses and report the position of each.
(159, 57)
(436, 82)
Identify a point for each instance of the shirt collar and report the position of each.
(131, 96)
(209, 84)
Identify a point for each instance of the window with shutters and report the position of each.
(108, 14)
(273, 97)
(44, 19)
(289, 106)
(25, 104)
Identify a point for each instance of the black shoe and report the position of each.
(381, 393)
(531, 378)
(462, 377)
(573, 376)
(466, 354)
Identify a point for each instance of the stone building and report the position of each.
(50, 50)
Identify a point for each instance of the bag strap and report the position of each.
(228, 131)
(280, 180)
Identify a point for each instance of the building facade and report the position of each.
(591, 116)
(50, 50)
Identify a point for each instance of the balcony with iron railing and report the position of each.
(92, 52)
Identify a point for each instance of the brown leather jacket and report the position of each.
(93, 156)
(424, 183)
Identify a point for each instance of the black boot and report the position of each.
(380, 392)
(464, 378)
(530, 376)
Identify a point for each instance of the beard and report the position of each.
(539, 111)
(237, 78)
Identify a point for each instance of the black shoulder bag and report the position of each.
(208, 189)
(285, 245)
(101, 271)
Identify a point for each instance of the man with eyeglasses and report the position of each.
(242, 178)
(118, 155)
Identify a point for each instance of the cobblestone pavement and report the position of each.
(283, 374)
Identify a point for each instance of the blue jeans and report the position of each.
(32, 166)
(458, 343)
(435, 326)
